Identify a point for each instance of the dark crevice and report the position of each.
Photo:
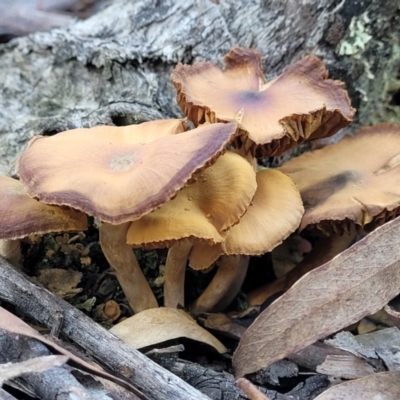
(395, 100)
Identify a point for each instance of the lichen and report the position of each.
(375, 54)
(356, 38)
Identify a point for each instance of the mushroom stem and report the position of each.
(127, 270)
(324, 251)
(10, 249)
(175, 267)
(224, 286)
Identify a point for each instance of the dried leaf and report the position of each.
(394, 314)
(224, 324)
(366, 326)
(10, 323)
(384, 385)
(382, 319)
(356, 283)
(34, 365)
(157, 325)
(345, 367)
(61, 282)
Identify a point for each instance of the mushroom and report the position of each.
(201, 213)
(345, 187)
(275, 212)
(301, 104)
(353, 181)
(118, 174)
(21, 216)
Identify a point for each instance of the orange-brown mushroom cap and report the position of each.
(204, 210)
(298, 105)
(357, 179)
(119, 174)
(20, 215)
(275, 212)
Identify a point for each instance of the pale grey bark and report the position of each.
(56, 383)
(114, 68)
(22, 359)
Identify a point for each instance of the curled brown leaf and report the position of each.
(356, 283)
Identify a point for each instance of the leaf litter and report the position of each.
(358, 282)
(33, 365)
(228, 323)
(61, 282)
(157, 325)
(384, 385)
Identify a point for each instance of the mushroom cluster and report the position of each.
(118, 174)
(299, 105)
(346, 187)
(197, 192)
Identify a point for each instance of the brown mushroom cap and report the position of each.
(357, 179)
(204, 210)
(275, 212)
(119, 174)
(21, 215)
(298, 105)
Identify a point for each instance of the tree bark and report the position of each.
(221, 385)
(55, 384)
(114, 68)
